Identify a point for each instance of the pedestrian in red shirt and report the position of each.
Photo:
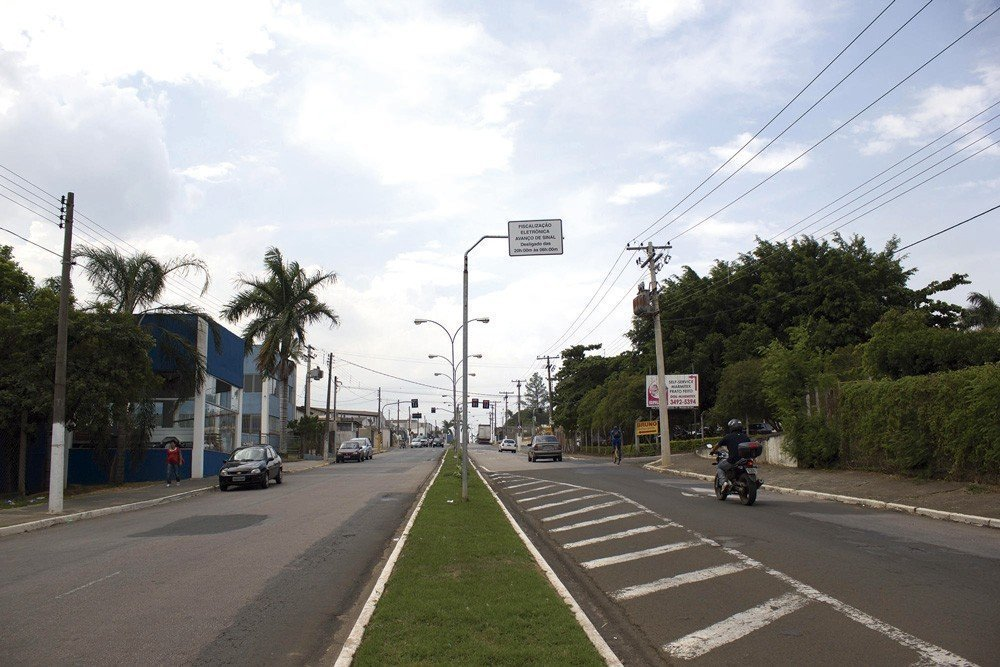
(174, 462)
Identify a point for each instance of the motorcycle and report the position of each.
(742, 476)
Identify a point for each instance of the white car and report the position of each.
(508, 445)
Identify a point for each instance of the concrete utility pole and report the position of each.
(57, 458)
(505, 394)
(548, 370)
(378, 424)
(653, 262)
(518, 382)
(309, 358)
(329, 380)
(336, 383)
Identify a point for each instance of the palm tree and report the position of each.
(280, 305)
(983, 311)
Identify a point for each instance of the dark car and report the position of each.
(251, 466)
(762, 429)
(352, 450)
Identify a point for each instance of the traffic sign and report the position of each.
(682, 391)
(534, 237)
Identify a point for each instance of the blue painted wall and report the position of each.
(83, 469)
(224, 361)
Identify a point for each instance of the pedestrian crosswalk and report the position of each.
(620, 541)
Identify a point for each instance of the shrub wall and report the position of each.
(938, 425)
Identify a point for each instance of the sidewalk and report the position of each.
(99, 502)
(894, 492)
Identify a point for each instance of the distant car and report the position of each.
(544, 447)
(352, 450)
(508, 445)
(251, 466)
(366, 447)
(420, 441)
(762, 429)
(438, 441)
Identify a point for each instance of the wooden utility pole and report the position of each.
(548, 370)
(57, 458)
(653, 262)
(505, 394)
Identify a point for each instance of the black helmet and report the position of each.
(735, 426)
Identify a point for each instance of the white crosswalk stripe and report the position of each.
(679, 580)
(592, 508)
(518, 486)
(702, 641)
(547, 495)
(613, 536)
(596, 522)
(534, 490)
(636, 555)
(566, 502)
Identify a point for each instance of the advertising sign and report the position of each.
(534, 237)
(647, 428)
(682, 391)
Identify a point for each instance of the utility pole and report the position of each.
(518, 382)
(653, 262)
(57, 455)
(379, 422)
(548, 369)
(329, 380)
(336, 383)
(505, 394)
(309, 358)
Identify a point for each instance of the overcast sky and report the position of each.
(380, 140)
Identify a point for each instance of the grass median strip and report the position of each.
(466, 591)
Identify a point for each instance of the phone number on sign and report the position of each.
(683, 402)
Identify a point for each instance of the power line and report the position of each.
(39, 189)
(948, 229)
(30, 196)
(26, 207)
(41, 247)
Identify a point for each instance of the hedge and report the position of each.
(939, 425)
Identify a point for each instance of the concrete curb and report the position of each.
(957, 517)
(117, 509)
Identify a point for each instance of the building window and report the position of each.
(251, 424)
(251, 383)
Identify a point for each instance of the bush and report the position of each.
(940, 425)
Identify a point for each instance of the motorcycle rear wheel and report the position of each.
(747, 489)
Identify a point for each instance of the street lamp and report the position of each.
(454, 387)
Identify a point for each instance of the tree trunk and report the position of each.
(22, 456)
(283, 414)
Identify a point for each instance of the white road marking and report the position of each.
(612, 536)
(518, 486)
(546, 495)
(595, 522)
(486, 469)
(566, 502)
(87, 585)
(581, 511)
(535, 490)
(703, 491)
(635, 555)
(690, 495)
(639, 590)
(738, 625)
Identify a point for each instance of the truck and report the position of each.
(485, 435)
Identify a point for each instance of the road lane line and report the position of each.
(639, 590)
(736, 626)
(88, 585)
(635, 555)
(613, 536)
(546, 495)
(595, 522)
(535, 490)
(592, 508)
(566, 502)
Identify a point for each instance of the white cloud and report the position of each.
(628, 193)
(212, 43)
(665, 15)
(496, 106)
(772, 159)
(209, 173)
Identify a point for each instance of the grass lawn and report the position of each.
(465, 591)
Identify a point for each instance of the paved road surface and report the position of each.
(244, 577)
(670, 574)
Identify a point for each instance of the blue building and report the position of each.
(261, 404)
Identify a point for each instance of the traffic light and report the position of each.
(414, 403)
(475, 402)
(433, 410)
(486, 403)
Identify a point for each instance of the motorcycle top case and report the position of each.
(750, 450)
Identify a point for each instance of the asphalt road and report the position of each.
(669, 574)
(243, 577)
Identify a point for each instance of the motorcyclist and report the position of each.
(731, 442)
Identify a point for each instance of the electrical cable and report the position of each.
(837, 129)
(948, 229)
(44, 192)
(26, 207)
(31, 196)
(26, 240)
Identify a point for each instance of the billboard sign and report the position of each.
(682, 391)
(534, 237)
(647, 428)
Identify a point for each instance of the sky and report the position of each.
(381, 140)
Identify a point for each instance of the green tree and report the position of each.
(536, 400)
(578, 375)
(309, 431)
(280, 305)
(983, 312)
(741, 392)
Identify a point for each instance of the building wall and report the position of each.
(261, 404)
